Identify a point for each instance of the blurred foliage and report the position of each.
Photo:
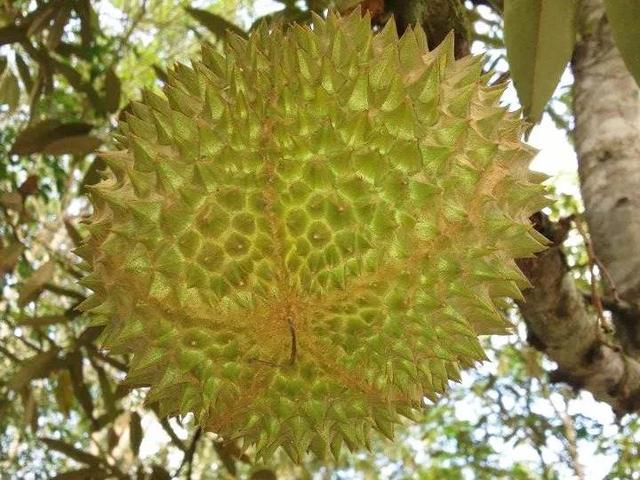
(68, 70)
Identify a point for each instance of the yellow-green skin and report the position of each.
(307, 236)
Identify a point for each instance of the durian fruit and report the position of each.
(305, 235)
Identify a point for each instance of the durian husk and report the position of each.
(302, 237)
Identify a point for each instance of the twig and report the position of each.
(132, 26)
(593, 258)
(617, 306)
(117, 364)
(607, 275)
(112, 468)
(189, 454)
(503, 77)
(64, 291)
(596, 300)
(62, 260)
(538, 437)
(569, 434)
(9, 355)
(14, 227)
(174, 438)
(33, 347)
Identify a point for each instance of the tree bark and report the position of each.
(562, 326)
(607, 139)
(607, 115)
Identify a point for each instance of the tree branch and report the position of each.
(437, 17)
(172, 434)
(561, 325)
(607, 139)
(189, 454)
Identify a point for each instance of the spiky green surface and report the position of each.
(307, 235)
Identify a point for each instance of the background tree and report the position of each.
(68, 69)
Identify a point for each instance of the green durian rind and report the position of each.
(304, 237)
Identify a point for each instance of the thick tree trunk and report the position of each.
(607, 138)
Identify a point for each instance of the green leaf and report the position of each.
(80, 389)
(71, 451)
(37, 366)
(216, 24)
(36, 138)
(9, 90)
(73, 145)
(11, 200)
(88, 473)
(77, 81)
(9, 256)
(57, 29)
(64, 392)
(226, 458)
(30, 407)
(32, 287)
(160, 73)
(43, 320)
(539, 36)
(135, 433)
(263, 474)
(23, 70)
(624, 18)
(105, 387)
(73, 232)
(112, 91)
